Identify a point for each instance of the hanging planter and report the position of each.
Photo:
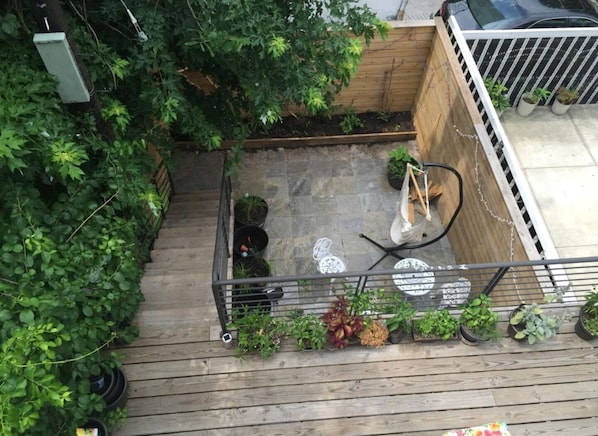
(250, 210)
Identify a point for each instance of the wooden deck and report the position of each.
(182, 380)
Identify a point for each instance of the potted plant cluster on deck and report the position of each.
(586, 326)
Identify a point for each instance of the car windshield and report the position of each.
(490, 12)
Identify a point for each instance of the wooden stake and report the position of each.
(419, 194)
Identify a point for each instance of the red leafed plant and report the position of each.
(342, 324)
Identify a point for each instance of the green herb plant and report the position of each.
(536, 95)
(402, 312)
(497, 91)
(398, 159)
(258, 332)
(436, 323)
(350, 122)
(590, 311)
(479, 318)
(309, 331)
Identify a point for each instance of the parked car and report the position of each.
(520, 14)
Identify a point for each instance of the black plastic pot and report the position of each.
(512, 330)
(96, 423)
(114, 389)
(580, 328)
(256, 217)
(251, 240)
(469, 337)
(396, 336)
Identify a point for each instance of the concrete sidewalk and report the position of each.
(559, 157)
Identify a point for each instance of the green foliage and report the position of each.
(590, 309)
(309, 331)
(342, 323)
(479, 318)
(437, 323)
(350, 122)
(533, 324)
(258, 332)
(536, 95)
(567, 95)
(72, 214)
(402, 312)
(398, 160)
(497, 90)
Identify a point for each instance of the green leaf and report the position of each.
(26, 316)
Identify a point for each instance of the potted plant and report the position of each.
(112, 386)
(496, 91)
(400, 322)
(250, 240)
(251, 296)
(258, 332)
(374, 334)
(586, 326)
(250, 210)
(396, 166)
(342, 324)
(565, 97)
(528, 321)
(529, 100)
(93, 427)
(478, 322)
(309, 330)
(435, 325)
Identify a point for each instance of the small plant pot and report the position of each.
(250, 241)
(256, 216)
(468, 337)
(95, 423)
(512, 330)
(559, 108)
(524, 108)
(114, 389)
(396, 336)
(580, 328)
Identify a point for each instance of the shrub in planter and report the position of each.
(586, 326)
(250, 210)
(529, 100)
(477, 321)
(529, 322)
(435, 325)
(396, 166)
(342, 323)
(258, 333)
(374, 334)
(309, 331)
(565, 97)
(400, 322)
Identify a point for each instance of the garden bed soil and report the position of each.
(373, 122)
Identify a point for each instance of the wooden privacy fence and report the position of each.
(450, 129)
(389, 74)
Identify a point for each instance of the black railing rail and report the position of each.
(222, 254)
(509, 284)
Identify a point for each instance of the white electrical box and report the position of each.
(58, 58)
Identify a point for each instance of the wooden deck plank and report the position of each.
(184, 382)
(291, 379)
(430, 423)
